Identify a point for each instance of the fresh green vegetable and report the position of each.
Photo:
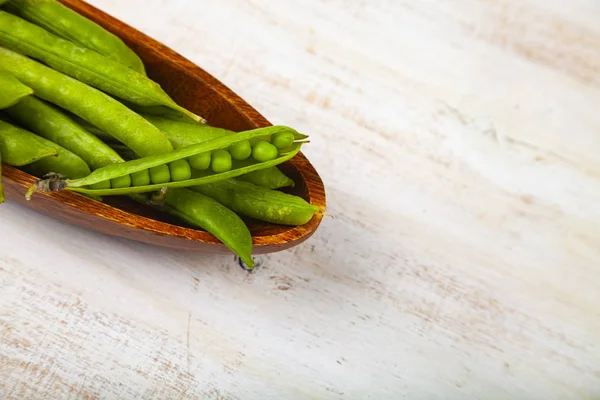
(183, 134)
(200, 210)
(88, 103)
(37, 155)
(282, 140)
(66, 23)
(258, 202)
(180, 170)
(264, 151)
(200, 161)
(20, 147)
(82, 64)
(159, 174)
(65, 97)
(50, 122)
(11, 90)
(221, 161)
(239, 167)
(242, 150)
(270, 178)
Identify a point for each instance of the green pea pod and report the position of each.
(207, 213)
(270, 178)
(77, 185)
(164, 113)
(65, 163)
(93, 129)
(66, 23)
(258, 202)
(20, 147)
(60, 161)
(183, 134)
(11, 90)
(48, 121)
(239, 167)
(88, 103)
(83, 64)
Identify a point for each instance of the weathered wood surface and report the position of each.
(459, 143)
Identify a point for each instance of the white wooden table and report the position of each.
(459, 141)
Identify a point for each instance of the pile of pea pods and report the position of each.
(78, 111)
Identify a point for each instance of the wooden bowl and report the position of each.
(198, 91)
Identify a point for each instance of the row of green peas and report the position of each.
(219, 161)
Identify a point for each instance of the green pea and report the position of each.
(160, 174)
(101, 185)
(64, 22)
(240, 150)
(282, 140)
(164, 159)
(200, 161)
(140, 178)
(1, 190)
(221, 161)
(121, 182)
(180, 170)
(264, 151)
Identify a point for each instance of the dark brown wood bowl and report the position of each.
(201, 93)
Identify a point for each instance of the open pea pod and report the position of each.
(11, 90)
(117, 170)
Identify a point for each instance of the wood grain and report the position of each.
(462, 261)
